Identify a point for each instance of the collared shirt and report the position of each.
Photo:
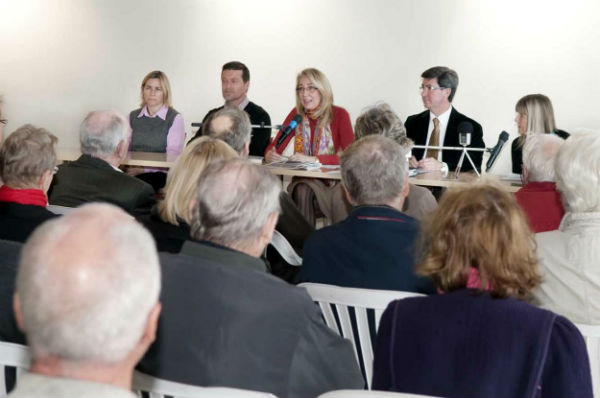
(244, 103)
(176, 134)
(443, 124)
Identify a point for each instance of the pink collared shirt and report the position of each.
(176, 134)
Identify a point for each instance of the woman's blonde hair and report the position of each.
(325, 111)
(539, 112)
(480, 227)
(164, 83)
(183, 177)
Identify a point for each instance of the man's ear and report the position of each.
(268, 228)
(348, 197)
(406, 188)
(121, 150)
(18, 313)
(245, 150)
(524, 173)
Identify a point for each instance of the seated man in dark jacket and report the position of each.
(227, 322)
(374, 247)
(95, 176)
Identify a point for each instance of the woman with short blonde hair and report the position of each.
(479, 252)
(169, 221)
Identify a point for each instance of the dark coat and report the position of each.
(90, 179)
(225, 324)
(18, 221)
(468, 344)
(374, 248)
(416, 130)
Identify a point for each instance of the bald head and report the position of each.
(101, 133)
(231, 125)
(86, 284)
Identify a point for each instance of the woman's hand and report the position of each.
(299, 157)
(273, 156)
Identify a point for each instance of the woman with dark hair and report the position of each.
(535, 115)
(479, 338)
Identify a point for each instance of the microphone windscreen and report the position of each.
(503, 136)
(465, 127)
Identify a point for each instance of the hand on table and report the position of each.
(273, 156)
(429, 164)
(299, 157)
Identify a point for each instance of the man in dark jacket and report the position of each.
(227, 322)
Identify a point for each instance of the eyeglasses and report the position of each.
(3, 121)
(429, 87)
(309, 89)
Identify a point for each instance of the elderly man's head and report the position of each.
(539, 155)
(104, 134)
(578, 173)
(231, 125)
(236, 205)
(87, 289)
(28, 158)
(375, 172)
(380, 119)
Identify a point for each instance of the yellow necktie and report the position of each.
(434, 140)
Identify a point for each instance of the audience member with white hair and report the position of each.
(374, 248)
(95, 175)
(225, 321)
(381, 119)
(87, 299)
(27, 163)
(539, 198)
(569, 257)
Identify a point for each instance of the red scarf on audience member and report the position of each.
(35, 197)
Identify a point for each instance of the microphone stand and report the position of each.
(464, 153)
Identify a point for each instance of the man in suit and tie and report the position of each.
(438, 125)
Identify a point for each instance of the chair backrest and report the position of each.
(12, 356)
(591, 335)
(158, 388)
(285, 249)
(56, 209)
(369, 394)
(354, 314)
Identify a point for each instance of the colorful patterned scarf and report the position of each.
(323, 143)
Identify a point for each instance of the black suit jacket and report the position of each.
(89, 179)
(225, 324)
(416, 130)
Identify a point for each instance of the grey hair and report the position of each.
(539, 154)
(101, 131)
(578, 172)
(240, 132)
(374, 170)
(25, 155)
(86, 284)
(380, 119)
(234, 200)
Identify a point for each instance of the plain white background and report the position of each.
(60, 59)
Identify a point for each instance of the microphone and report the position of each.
(496, 150)
(465, 129)
(288, 129)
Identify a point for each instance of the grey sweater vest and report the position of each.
(149, 134)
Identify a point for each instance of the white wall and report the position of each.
(60, 59)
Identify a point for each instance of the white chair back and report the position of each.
(591, 335)
(369, 394)
(354, 314)
(15, 356)
(158, 388)
(285, 249)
